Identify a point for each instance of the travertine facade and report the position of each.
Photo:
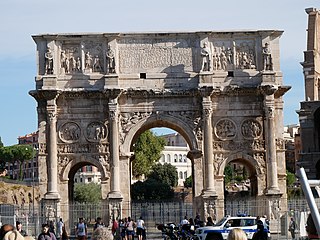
(309, 114)
(222, 91)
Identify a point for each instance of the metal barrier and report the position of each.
(153, 213)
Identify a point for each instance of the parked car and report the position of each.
(222, 228)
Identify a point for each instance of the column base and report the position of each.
(52, 196)
(209, 193)
(115, 195)
(273, 191)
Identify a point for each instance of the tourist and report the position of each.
(60, 225)
(311, 228)
(64, 235)
(237, 234)
(46, 234)
(81, 229)
(123, 229)
(292, 228)
(260, 234)
(209, 221)
(115, 229)
(98, 223)
(51, 227)
(130, 228)
(140, 228)
(4, 229)
(19, 229)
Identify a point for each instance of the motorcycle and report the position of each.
(169, 231)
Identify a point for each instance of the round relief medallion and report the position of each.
(251, 129)
(225, 129)
(70, 132)
(96, 131)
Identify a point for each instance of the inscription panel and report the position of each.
(155, 55)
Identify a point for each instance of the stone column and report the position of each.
(52, 188)
(209, 189)
(114, 148)
(271, 156)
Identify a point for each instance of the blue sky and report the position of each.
(19, 19)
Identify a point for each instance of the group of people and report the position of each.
(127, 228)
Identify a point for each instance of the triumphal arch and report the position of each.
(221, 90)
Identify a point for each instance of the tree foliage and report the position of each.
(188, 183)
(151, 189)
(228, 174)
(147, 150)
(158, 186)
(291, 179)
(87, 193)
(19, 153)
(165, 173)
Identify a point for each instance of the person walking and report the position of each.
(130, 229)
(140, 228)
(292, 228)
(64, 235)
(46, 234)
(98, 223)
(20, 230)
(60, 225)
(81, 230)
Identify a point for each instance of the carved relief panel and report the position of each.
(70, 59)
(96, 131)
(69, 132)
(225, 129)
(222, 56)
(93, 57)
(251, 129)
(245, 55)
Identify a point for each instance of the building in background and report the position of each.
(309, 113)
(88, 174)
(175, 153)
(29, 167)
(292, 146)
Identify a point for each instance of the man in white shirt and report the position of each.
(140, 228)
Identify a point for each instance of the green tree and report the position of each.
(147, 150)
(6, 155)
(228, 174)
(151, 189)
(22, 153)
(165, 173)
(291, 179)
(188, 182)
(87, 193)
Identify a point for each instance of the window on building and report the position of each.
(76, 180)
(163, 158)
(89, 168)
(185, 175)
(181, 175)
(89, 179)
(169, 158)
(175, 158)
(184, 158)
(80, 179)
(180, 157)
